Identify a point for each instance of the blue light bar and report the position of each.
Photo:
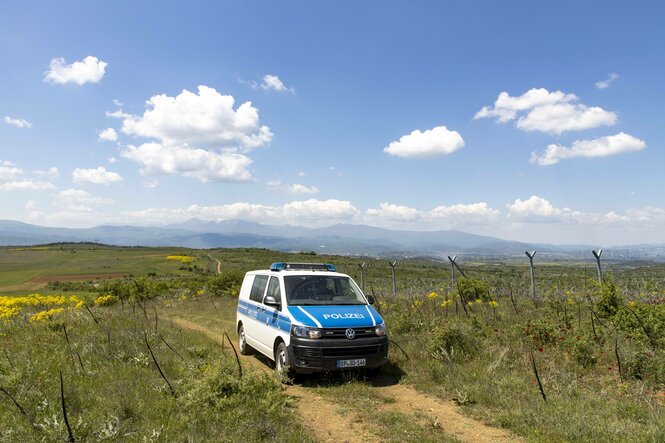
(284, 266)
(278, 266)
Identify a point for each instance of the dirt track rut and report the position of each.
(327, 424)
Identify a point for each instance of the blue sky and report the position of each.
(534, 122)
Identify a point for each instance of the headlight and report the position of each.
(380, 330)
(305, 332)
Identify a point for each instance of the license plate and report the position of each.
(354, 363)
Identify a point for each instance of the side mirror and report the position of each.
(270, 300)
(370, 299)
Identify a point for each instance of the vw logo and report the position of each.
(350, 334)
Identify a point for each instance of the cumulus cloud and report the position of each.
(310, 212)
(52, 172)
(604, 84)
(273, 83)
(433, 142)
(156, 158)
(18, 122)
(108, 135)
(392, 212)
(440, 217)
(81, 197)
(88, 70)
(534, 208)
(197, 135)
(295, 188)
(9, 170)
(26, 185)
(550, 112)
(204, 119)
(599, 147)
(472, 213)
(98, 176)
(539, 210)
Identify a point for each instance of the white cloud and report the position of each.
(301, 174)
(295, 188)
(9, 171)
(52, 172)
(550, 112)
(88, 70)
(109, 135)
(433, 142)
(151, 183)
(310, 212)
(30, 205)
(18, 122)
(112, 160)
(204, 119)
(534, 208)
(599, 147)
(273, 83)
(117, 102)
(463, 214)
(440, 217)
(604, 84)
(392, 212)
(203, 165)
(198, 135)
(320, 210)
(98, 176)
(26, 185)
(81, 197)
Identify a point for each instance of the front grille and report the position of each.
(341, 333)
(351, 351)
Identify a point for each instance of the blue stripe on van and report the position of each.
(356, 316)
(270, 318)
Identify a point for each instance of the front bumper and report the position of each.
(308, 355)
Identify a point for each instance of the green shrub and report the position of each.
(227, 283)
(472, 289)
(608, 300)
(454, 341)
(584, 353)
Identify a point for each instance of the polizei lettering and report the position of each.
(342, 316)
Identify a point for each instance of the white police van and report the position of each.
(308, 318)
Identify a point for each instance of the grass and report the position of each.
(114, 392)
(480, 360)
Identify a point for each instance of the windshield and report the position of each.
(304, 290)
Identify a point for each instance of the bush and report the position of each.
(583, 353)
(472, 289)
(608, 300)
(227, 283)
(455, 341)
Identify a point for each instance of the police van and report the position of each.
(307, 317)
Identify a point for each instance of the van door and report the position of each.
(254, 325)
(271, 315)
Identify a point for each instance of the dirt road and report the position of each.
(328, 423)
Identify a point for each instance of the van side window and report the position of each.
(273, 289)
(258, 288)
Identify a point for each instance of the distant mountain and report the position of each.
(346, 239)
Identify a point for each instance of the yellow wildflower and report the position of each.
(106, 300)
(181, 258)
(45, 315)
(432, 295)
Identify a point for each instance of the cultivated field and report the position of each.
(143, 358)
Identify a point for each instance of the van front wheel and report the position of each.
(282, 363)
(242, 341)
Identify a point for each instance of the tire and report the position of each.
(282, 364)
(245, 349)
